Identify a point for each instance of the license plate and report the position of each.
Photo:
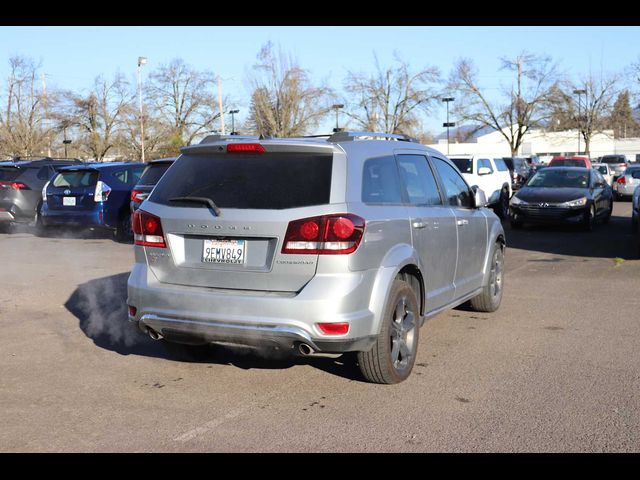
(224, 251)
(69, 201)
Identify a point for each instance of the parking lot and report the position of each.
(556, 368)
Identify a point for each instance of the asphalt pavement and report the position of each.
(556, 368)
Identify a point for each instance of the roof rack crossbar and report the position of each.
(351, 136)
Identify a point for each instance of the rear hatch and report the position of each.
(73, 189)
(8, 185)
(258, 194)
(149, 178)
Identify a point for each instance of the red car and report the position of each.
(575, 161)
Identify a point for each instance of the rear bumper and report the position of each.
(190, 314)
(6, 216)
(79, 218)
(626, 190)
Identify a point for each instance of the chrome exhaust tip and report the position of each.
(153, 334)
(305, 349)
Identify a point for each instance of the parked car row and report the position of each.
(66, 192)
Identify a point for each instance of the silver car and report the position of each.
(626, 184)
(343, 243)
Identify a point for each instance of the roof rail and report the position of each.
(351, 136)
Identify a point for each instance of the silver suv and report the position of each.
(336, 244)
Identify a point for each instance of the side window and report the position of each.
(136, 173)
(484, 162)
(456, 189)
(419, 182)
(380, 181)
(122, 175)
(500, 165)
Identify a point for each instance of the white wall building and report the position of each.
(541, 143)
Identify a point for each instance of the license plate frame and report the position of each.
(224, 252)
(69, 201)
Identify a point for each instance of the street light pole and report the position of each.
(448, 124)
(233, 121)
(141, 61)
(579, 92)
(337, 108)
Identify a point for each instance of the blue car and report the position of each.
(92, 195)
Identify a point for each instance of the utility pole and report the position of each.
(141, 61)
(46, 114)
(220, 105)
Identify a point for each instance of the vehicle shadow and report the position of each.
(101, 309)
(61, 232)
(610, 240)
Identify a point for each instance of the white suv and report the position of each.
(491, 175)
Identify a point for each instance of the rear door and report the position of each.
(471, 225)
(433, 228)
(258, 195)
(73, 189)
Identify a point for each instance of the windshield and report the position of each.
(260, 181)
(76, 178)
(552, 178)
(463, 164)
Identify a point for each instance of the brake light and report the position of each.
(147, 230)
(132, 310)
(622, 180)
(245, 148)
(14, 185)
(102, 192)
(327, 234)
(138, 195)
(334, 328)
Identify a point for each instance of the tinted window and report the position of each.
(419, 182)
(153, 173)
(260, 181)
(508, 162)
(44, 173)
(128, 176)
(483, 162)
(76, 179)
(456, 189)
(500, 165)
(9, 174)
(464, 165)
(612, 159)
(568, 162)
(602, 169)
(380, 181)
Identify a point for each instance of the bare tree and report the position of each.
(597, 106)
(183, 100)
(284, 102)
(22, 128)
(99, 114)
(524, 104)
(392, 99)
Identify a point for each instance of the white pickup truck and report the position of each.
(491, 175)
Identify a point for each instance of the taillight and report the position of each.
(622, 180)
(102, 191)
(132, 310)
(245, 148)
(44, 191)
(334, 328)
(15, 185)
(147, 230)
(138, 195)
(326, 234)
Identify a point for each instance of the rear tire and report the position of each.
(491, 297)
(502, 207)
(392, 357)
(124, 231)
(5, 227)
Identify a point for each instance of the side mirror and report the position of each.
(479, 198)
(484, 171)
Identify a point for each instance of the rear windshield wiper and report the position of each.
(204, 200)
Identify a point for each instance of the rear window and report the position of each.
(76, 179)
(568, 162)
(9, 174)
(612, 159)
(463, 164)
(269, 181)
(153, 173)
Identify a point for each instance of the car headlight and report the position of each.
(580, 202)
(516, 201)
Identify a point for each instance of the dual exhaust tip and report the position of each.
(303, 348)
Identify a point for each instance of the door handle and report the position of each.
(418, 224)
(462, 222)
